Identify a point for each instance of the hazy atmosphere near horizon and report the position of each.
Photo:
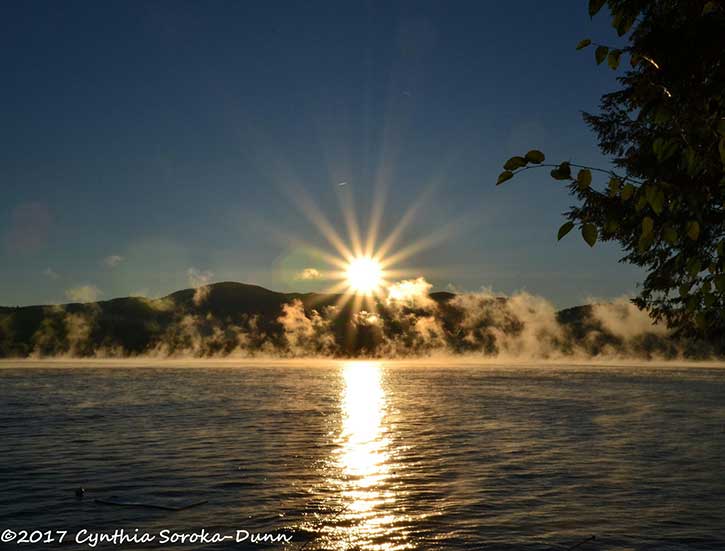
(147, 145)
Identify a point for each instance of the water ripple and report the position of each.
(374, 456)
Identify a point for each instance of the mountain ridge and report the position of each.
(227, 317)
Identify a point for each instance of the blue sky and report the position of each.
(170, 135)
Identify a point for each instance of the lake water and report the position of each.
(369, 455)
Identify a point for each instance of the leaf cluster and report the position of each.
(663, 201)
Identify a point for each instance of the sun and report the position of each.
(364, 275)
(363, 265)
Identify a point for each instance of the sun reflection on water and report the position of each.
(363, 460)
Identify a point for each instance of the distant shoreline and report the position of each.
(431, 362)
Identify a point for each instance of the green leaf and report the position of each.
(600, 53)
(589, 233)
(670, 235)
(709, 300)
(684, 290)
(613, 59)
(535, 156)
(595, 6)
(584, 178)
(662, 115)
(617, 19)
(505, 175)
(710, 7)
(648, 191)
(647, 226)
(583, 44)
(694, 267)
(641, 203)
(626, 24)
(721, 146)
(615, 184)
(663, 150)
(720, 283)
(670, 149)
(515, 162)
(634, 59)
(721, 127)
(622, 22)
(611, 227)
(691, 162)
(693, 230)
(564, 229)
(562, 172)
(657, 201)
(627, 192)
(645, 241)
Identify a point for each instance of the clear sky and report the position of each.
(147, 146)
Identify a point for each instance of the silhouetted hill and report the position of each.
(228, 317)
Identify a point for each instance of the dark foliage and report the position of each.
(664, 129)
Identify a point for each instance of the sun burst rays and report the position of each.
(361, 264)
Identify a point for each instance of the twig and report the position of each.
(602, 170)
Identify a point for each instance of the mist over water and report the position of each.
(372, 455)
(407, 322)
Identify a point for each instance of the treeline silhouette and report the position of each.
(236, 319)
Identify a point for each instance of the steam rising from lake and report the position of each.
(407, 323)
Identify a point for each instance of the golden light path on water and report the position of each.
(364, 462)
